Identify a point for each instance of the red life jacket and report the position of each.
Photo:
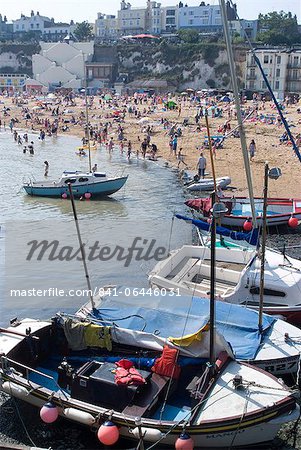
(166, 365)
(126, 374)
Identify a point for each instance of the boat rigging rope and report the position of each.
(284, 121)
(240, 421)
(22, 421)
(186, 417)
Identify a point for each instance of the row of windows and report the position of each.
(125, 23)
(48, 31)
(269, 59)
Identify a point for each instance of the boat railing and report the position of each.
(4, 365)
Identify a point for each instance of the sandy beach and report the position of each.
(228, 162)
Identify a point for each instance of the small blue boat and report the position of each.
(89, 184)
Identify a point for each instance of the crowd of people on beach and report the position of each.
(138, 125)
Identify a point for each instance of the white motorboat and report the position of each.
(237, 277)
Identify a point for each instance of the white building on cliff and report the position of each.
(62, 64)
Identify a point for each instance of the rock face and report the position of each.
(198, 66)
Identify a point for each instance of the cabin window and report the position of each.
(254, 290)
(70, 180)
(100, 175)
(83, 180)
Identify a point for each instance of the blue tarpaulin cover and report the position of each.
(177, 316)
(251, 237)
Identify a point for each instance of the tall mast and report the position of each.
(212, 287)
(81, 246)
(238, 110)
(87, 116)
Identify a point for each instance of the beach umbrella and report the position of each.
(171, 104)
(36, 108)
(183, 93)
(190, 90)
(108, 97)
(225, 99)
(144, 36)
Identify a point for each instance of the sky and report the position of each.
(78, 10)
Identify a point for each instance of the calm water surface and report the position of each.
(144, 207)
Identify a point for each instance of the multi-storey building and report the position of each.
(242, 27)
(44, 27)
(293, 77)
(131, 20)
(107, 27)
(157, 19)
(169, 19)
(282, 67)
(205, 18)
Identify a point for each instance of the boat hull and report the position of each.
(208, 184)
(272, 220)
(96, 189)
(254, 430)
(280, 210)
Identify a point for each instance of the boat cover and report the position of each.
(251, 237)
(150, 321)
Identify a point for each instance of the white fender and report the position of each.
(150, 434)
(15, 390)
(78, 416)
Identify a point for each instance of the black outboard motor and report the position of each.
(65, 374)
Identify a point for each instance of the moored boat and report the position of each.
(92, 184)
(237, 276)
(229, 404)
(279, 210)
(207, 184)
(275, 349)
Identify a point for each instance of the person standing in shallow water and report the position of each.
(46, 168)
(252, 149)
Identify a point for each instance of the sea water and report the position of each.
(140, 214)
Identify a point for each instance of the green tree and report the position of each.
(278, 28)
(188, 35)
(83, 31)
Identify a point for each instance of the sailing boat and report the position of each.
(132, 380)
(92, 184)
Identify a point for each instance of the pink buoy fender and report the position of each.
(49, 412)
(108, 433)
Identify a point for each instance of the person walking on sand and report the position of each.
(181, 158)
(175, 144)
(252, 149)
(201, 165)
(46, 168)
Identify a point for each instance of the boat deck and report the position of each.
(195, 274)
